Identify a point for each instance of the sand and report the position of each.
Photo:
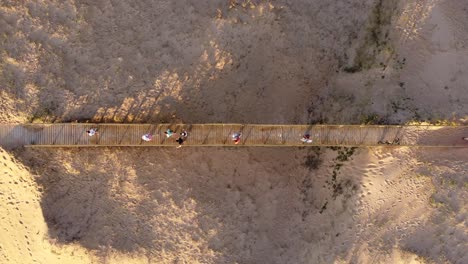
(24, 236)
(258, 205)
(389, 62)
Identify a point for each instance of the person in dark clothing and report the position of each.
(306, 138)
(180, 140)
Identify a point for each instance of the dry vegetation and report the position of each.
(124, 61)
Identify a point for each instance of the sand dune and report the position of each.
(256, 206)
(234, 61)
(24, 236)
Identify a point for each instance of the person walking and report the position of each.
(169, 133)
(147, 137)
(306, 138)
(236, 137)
(180, 140)
(91, 132)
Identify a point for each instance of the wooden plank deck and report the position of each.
(74, 135)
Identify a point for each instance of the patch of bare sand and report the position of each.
(24, 232)
(443, 238)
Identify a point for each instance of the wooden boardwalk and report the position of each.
(74, 135)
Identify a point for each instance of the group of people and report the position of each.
(236, 137)
(180, 140)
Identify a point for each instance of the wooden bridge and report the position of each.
(110, 135)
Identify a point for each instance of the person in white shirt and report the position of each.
(236, 137)
(147, 137)
(91, 132)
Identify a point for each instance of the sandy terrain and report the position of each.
(24, 233)
(205, 62)
(234, 61)
(258, 206)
